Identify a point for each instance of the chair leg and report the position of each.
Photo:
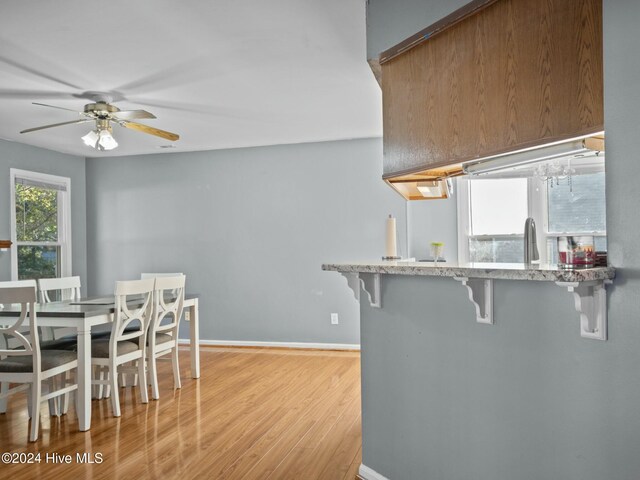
(53, 402)
(64, 399)
(95, 374)
(115, 395)
(29, 402)
(153, 377)
(36, 390)
(4, 388)
(144, 394)
(130, 379)
(107, 387)
(46, 333)
(176, 368)
(104, 375)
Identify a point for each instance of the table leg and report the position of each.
(84, 380)
(195, 339)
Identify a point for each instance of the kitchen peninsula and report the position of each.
(586, 285)
(429, 371)
(502, 271)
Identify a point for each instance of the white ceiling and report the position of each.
(222, 74)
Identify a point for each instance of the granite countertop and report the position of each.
(503, 271)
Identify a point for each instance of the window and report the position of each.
(40, 225)
(492, 212)
(576, 209)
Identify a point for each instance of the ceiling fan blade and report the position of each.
(150, 130)
(132, 114)
(59, 108)
(56, 125)
(180, 74)
(38, 65)
(12, 94)
(211, 110)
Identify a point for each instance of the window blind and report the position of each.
(34, 183)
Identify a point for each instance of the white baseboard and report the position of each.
(243, 343)
(369, 473)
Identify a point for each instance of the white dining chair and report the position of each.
(168, 302)
(44, 335)
(18, 283)
(145, 276)
(128, 339)
(123, 378)
(68, 288)
(27, 364)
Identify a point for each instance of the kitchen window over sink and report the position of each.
(563, 199)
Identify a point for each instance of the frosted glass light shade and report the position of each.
(91, 139)
(100, 139)
(106, 141)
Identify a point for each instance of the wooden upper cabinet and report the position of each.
(510, 75)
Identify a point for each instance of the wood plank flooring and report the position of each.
(254, 414)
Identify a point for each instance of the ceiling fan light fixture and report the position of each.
(100, 139)
(91, 138)
(106, 140)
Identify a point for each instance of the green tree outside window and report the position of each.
(37, 221)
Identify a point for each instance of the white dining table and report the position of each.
(86, 314)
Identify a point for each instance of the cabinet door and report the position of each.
(516, 74)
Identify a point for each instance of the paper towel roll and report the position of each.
(390, 247)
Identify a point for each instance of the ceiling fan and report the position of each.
(104, 114)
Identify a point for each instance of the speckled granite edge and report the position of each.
(548, 275)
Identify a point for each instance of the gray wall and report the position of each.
(389, 22)
(250, 228)
(446, 398)
(433, 221)
(25, 157)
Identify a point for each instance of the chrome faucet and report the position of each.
(530, 243)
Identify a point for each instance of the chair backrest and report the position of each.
(136, 319)
(168, 303)
(159, 275)
(18, 283)
(69, 288)
(26, 344)
(144, 276)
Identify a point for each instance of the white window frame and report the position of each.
(64, 219)
(537, 207)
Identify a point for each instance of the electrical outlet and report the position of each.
(334, 319)
(187, 315)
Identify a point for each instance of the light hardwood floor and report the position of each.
(254, 414)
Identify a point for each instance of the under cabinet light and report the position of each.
(523, 157)
(435, 188)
